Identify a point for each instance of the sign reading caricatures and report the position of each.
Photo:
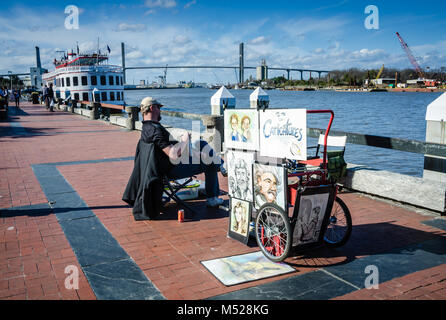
(283, 133)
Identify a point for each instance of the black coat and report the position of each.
(144, 189)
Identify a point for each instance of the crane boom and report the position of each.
(379, 73)
(412, 59)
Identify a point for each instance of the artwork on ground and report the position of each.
(283, 133)
(312, 209)
(240, 174)
(241, 129)
(243, 268)
(269, 185)
(239, 220)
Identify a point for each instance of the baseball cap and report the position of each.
(147, 102)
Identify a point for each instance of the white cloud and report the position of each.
(131, 27)
(149, 12)
(259, 40)
(303, 27)
(161, 3)
(189, 4)
(134, 55)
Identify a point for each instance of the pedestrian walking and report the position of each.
(6, 97)
(17, 95)
(45, 96)
(51, 98)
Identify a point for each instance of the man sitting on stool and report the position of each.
(174, 152)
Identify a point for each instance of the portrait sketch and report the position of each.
(269, 185)
(311, 214)
(239, 219)
(241, 129)
(240, 174)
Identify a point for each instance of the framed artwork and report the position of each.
(239, 220)
(240, 174)
(313, 207)
(269, 185)
(283, 133)
(241, 129)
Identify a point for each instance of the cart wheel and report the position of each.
(273, 232)
(340, 225)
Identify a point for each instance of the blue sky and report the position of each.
(302, 34)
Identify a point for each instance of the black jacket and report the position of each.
(144, 189)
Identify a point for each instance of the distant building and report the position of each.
(36, 76)
(423, 82)
(381, 81)
(142, 82)
(262, 71)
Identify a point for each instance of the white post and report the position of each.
(435, 166)
(220, 100)
(258, 98)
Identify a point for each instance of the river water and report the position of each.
(390, 114)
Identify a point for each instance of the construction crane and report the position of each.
(412, 59)
(379, 73)
(163, 78)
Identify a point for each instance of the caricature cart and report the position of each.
(292, 198)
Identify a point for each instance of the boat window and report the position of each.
(76, 96)
(63, 82)
(94, 80)
(104, 96)
(75, 81)
(112, 96)
(103, 81)
(97, 97)
(84, 96)
(118, 96)
(68, 82)
(121, 81)
(122, 95)
(110, 80)
(84, 80)
(117, 80)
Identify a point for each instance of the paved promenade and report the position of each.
(62, 177)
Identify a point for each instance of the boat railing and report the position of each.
(95, 68)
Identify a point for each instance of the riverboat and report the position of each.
(86, 77)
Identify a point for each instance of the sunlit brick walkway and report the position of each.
(82, 167)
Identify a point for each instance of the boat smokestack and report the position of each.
(39, 65)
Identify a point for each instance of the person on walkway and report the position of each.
(45, 95)
(175, 152)
(2, 100)
(50, 98)
(16, 94)
(5, 96)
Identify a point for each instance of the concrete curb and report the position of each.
(416, 191)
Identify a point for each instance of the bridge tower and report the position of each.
(241, 77)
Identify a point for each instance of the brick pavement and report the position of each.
(34, 250)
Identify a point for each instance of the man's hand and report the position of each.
(185, 137)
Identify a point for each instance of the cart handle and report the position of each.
(324, 161)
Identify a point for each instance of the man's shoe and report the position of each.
(214, 202)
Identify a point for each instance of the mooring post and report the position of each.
(132, 117)
(73, 105)
(222, 100)
(435, 166)
(214, 134)
(259, 99)
(94, 115)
